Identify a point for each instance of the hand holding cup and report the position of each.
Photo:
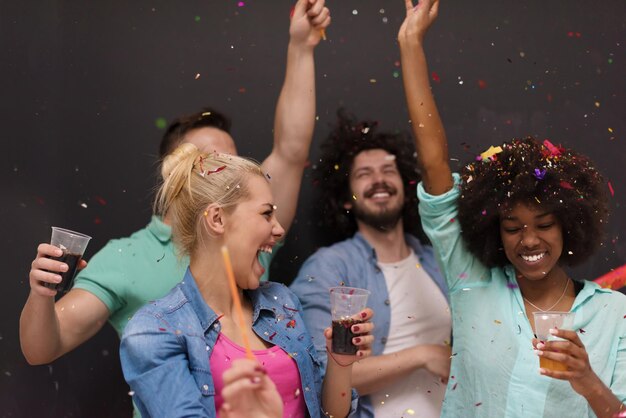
(55, 265)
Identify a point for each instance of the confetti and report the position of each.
(540, 174)
(160, 123)
(611, 189)
(435, 77)
(291, 324)
(490, 152)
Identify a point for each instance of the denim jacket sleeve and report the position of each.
(156, 366)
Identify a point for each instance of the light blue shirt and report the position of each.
(353, 263)
(495, 372)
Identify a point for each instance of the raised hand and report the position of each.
(418, 19)
(310, 18)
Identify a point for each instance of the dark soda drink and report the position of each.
(343, 335)
(67, 278)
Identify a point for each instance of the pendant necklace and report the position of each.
(556, 303)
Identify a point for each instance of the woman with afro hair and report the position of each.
(505, 230)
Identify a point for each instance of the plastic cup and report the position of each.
(73, 245)
(345, 304)
(544, 321)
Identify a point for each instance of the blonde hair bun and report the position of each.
(172, 160)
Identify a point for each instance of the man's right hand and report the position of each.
(44, 269)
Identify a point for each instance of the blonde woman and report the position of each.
(175, 350)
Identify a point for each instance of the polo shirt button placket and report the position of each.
(387, 302)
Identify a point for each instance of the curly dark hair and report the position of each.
(207, 117)
(525, 170)
(332, 174)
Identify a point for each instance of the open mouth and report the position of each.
(265, 249)
(533, 258)
(380, 192)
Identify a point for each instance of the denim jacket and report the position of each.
(166, 347)
(353, 263)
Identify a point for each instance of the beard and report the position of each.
(383, 220)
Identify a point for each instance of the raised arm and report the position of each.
(48, 329)
(430, 137)
(295, 110)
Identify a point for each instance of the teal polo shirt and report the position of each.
(128, 272)
(494, 371)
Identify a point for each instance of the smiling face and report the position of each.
(376, 185)
(532, 239)
(252, 228)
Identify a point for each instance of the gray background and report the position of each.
(83, 84)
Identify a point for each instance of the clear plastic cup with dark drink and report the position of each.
(73, 245)
(345, 305)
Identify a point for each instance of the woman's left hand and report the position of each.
(573, 354)
(363, 339)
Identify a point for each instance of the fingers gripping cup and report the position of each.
(544, 321)
(73, 245)
(345, 305)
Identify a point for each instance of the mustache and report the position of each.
(380, 187)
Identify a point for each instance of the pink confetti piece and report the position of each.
(611, 189)
(482, 84)
(435, 77)
(554, 151)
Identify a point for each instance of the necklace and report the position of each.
(556, 303)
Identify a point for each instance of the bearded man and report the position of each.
(367, 182)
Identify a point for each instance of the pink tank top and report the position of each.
(281, 368)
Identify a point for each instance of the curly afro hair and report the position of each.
(348, 138)
(525, 170)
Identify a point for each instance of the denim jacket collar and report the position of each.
(206, 315)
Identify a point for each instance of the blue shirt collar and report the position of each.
(412, 241)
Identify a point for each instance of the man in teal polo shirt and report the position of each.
(130, 271)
